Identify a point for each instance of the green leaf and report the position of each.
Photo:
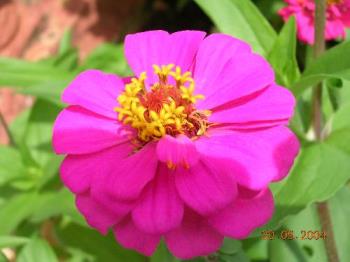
(12, 241)
(3, 257)
(50, 92)
(319, 172)
(37, 250)
(341, 119)
(11, 166)
(15, 210)
(38, 132)
(241, 19)
(18, 126)
(78, 256)
(298, 250)
(162, 254)
(20, 73)
(283, 55)
(313, 250)
(67, 60)
(231, 251)
(230, 246)
(66, 42)
(108, 58)
(68, 56)
(101, 248)
(256, 248)
(55, 204)
(340, 213)
(332, 64)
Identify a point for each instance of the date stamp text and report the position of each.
(288, 234)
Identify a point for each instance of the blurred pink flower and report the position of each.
(338, 18)
(185, 150)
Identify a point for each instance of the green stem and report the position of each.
(326, 225)
(320, 46)
(7, 130)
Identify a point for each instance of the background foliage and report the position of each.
(38, 219)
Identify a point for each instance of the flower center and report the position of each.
(167, 108)
(331, 2)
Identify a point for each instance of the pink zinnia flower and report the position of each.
(338, 18)
(185, 150)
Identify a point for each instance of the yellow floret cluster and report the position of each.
(171, 117)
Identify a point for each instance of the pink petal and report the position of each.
(77, 180)
(177, 151)
(95, 91)
(305, 27)
(335, 29)
(78, 172)
(129, 236)
(257, 157)
(275, 103)
(226, 70)
(130, 175)
(119, 207)
(79, 131)
(193, 238)
(219, 67)
(183, 48)
(244, 215)
(346, 15)
(207, 186)
(250, 126)
(145, 49)
(159, 208)
(304, 14)
(97, 216)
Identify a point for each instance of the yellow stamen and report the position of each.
(170, 165)
(165, 109)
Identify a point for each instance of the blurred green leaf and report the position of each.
(241, 19)
(66, 42)
(56, 203)
(20, 73)
(332, 64)
(341, 119)
(67, 60)
(18, 126)
(108, 58)
(2, 257)
(162, 254)
(50, 92)
(38, 132)
(256, 248)
(50, 170)
(37, 250)
(12, 241)
(283, 55)
(15, 210)
(101, 248)
(231, 251)
(298, 250)
(67, 57)
(333, 87)
(313, 250)
(340, 213)
(78, 256)
(11, 166)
